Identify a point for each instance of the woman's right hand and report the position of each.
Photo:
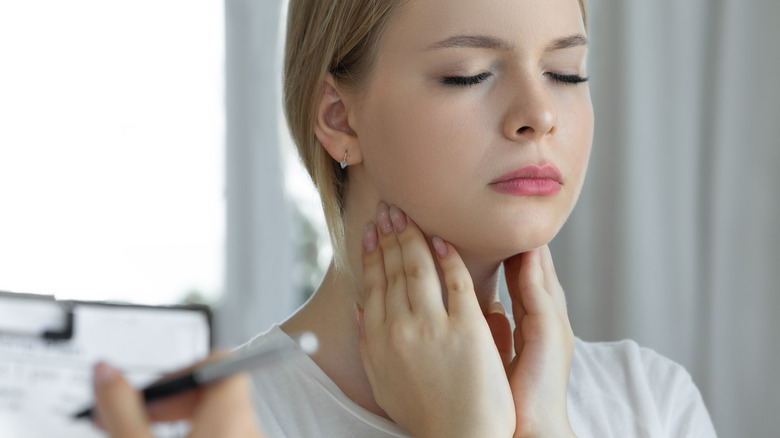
(435, 370)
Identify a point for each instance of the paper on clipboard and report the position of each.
(48, 349)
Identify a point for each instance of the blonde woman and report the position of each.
(446, 138)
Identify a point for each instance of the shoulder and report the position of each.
(293, 397)
(283, 375)
(635, 390)
(277, 386)
(625, 372)
(627, 359)
(273, 334)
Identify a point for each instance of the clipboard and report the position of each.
(48, 348)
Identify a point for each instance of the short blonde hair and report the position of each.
(339, 37)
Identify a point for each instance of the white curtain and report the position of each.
(675, 240)
(259, 266)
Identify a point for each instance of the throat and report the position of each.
(329, 314)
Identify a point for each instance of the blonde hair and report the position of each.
(339, 37)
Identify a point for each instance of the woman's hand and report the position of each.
(544, 342)
(434, 369)
(220, 409)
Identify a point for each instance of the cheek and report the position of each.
(415, 151)
(578, 137)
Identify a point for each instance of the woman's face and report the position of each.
(470, 109)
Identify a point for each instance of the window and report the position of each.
(112, 149)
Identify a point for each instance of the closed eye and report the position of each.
(568, 79)
(466, 80)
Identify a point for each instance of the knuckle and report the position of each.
(432, 333)
(457, 284)
(373, 287)
(395, 279)
(388, 242)
(416, 271)
(399, 334)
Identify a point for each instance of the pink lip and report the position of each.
(544, 179)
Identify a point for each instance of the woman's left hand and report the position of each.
(544, 342)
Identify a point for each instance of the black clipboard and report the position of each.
(48, 348)
(56, 317)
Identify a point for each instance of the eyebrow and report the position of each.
(471, 41)
(494, 43)
(568, 42)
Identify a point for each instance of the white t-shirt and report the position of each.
(615, 390)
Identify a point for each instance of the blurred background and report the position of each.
(144, 158)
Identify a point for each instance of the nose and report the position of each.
(531, 114)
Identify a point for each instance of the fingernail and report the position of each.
(398, 217)
(439, 246)
(369, 238)
(383, 218)
(104, 374)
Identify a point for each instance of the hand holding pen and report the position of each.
(213, 395)
(222, 408)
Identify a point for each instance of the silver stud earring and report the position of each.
(343, 162)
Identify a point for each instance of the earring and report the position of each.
(343, 162)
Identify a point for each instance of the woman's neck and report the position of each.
(330, 315)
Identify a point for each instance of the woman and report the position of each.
(447, 137)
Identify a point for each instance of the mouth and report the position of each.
(534, 180)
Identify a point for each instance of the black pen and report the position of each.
(215, 370)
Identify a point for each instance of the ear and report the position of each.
(331, 125)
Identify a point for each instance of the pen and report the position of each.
(217, 369)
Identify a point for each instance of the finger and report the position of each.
(422, 282)
(180, 406)
(512, 277)
(551, 283)
(529, 284)
(363, 348)
(374, 281)
(501, 330)
(512, 274)
(173, 408)
(120, 408)
(462, 300)
(519, 273)
(397, 301)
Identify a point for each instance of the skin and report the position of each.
(423, 154)
(436, 369)
(431, 150)
(414, 133)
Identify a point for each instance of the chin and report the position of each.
(512, 248)
(499, 246)
(508, 232)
